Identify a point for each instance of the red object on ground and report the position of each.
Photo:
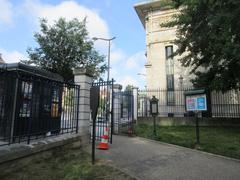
(104, 141)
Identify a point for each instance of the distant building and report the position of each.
(161, 70)
(1, 59)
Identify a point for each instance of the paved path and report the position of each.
(147, 160)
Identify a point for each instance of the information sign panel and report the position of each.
(196, 102)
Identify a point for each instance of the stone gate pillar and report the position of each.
(82, 78)
(135, 103)
(116, 106)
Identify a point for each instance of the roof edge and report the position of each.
(143, 7)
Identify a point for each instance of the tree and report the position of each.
(208, 41)
(63, 46)
(128, 88)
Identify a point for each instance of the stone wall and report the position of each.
(18, 155)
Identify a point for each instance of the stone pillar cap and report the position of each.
(81, 71)
(117, 86)
(135, 87)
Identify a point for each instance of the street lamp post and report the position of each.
(108, 74)
(141, 74)
(109, 48)
(181, 81)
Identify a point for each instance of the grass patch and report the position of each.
(65, 165)
(218, 140)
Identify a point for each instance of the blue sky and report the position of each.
(106, 18)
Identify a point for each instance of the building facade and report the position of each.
(162, 71)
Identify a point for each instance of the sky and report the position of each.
(19, 19)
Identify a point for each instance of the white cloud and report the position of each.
(69, 10)
(12, 56)
(6, 11)
(117, 55)
(136, 61)
(128, 80)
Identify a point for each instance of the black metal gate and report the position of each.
(123, 112)
(101, 102)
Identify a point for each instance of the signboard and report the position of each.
(154, 109)
(196, 102)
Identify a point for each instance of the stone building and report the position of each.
(161, 70)
(166, 74)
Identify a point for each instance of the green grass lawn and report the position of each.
(217, 140)
(63, 165)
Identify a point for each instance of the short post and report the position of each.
(135, 103)
(154, 112)
(197, 128)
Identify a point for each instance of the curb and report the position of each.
(194, 150)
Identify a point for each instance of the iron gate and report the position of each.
(123, 112)
(101, 102)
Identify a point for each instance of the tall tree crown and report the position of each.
(63, 46)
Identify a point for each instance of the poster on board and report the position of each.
(196, 102)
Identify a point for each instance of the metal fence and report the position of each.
(33, 107)
(172, 103)
(123, 112)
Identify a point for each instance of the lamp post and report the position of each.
(109, 48)
(108, 74)
(141, 74)
(154, 112)
(181, 81)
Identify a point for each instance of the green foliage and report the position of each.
(63, 46)
(128, 88)
(208, 30)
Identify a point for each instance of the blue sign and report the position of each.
(201, 103)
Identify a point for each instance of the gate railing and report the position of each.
(32, 107)
(172, 103)
(104, 118)
(123, 112)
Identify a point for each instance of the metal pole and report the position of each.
(93, 139)
(112, 115)
(78, 97)
(109, 48)
(197, 129)
(154, 126)
(14, 110)
(108, 93)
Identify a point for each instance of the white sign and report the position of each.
(196, 102)
(154, 108)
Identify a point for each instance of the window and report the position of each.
(170, 98)
(55, 103)
(168, 51)
(170, 82)
(169, 60)
(26, 97)
(170, 75)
